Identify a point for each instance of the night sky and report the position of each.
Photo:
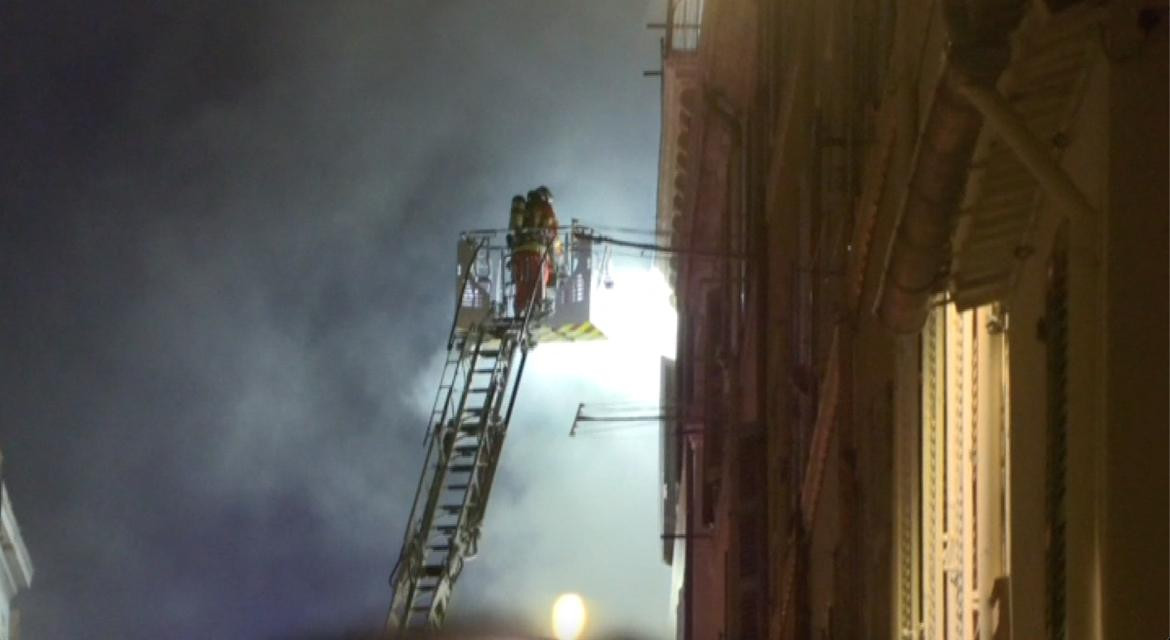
(227, 265)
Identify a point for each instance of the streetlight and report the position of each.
(568, 616)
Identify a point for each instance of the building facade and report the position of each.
(921, 277)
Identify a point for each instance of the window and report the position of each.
(964, 474)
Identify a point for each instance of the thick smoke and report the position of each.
(227, 259)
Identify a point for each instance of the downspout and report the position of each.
(688, 631)
(919, 252)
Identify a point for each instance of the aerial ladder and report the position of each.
(487, 348)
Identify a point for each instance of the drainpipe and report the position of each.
(920, 247)
(919, 252)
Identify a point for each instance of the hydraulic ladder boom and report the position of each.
(465, 436)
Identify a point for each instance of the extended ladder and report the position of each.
(468, 422)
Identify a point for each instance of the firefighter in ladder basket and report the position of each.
(535, 245)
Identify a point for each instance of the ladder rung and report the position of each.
(446, 528)
(433, 569)
(439, 547)
(461, 468)
(466, 449)
(452, 508)
(457, 487)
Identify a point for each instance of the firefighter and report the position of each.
(545, 219)
(517, 220)
(529, 265)
(546, 216)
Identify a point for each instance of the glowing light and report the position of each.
(568, 616)
(636, 312)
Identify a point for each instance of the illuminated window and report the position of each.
(964, 481)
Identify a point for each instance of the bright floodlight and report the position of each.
(637, 311)
(568, 616)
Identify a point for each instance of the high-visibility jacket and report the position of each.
(539, 229)
(546, 217)
(518, 218)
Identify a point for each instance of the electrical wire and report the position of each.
(629, 230)
(598, 238)
(612, 405)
